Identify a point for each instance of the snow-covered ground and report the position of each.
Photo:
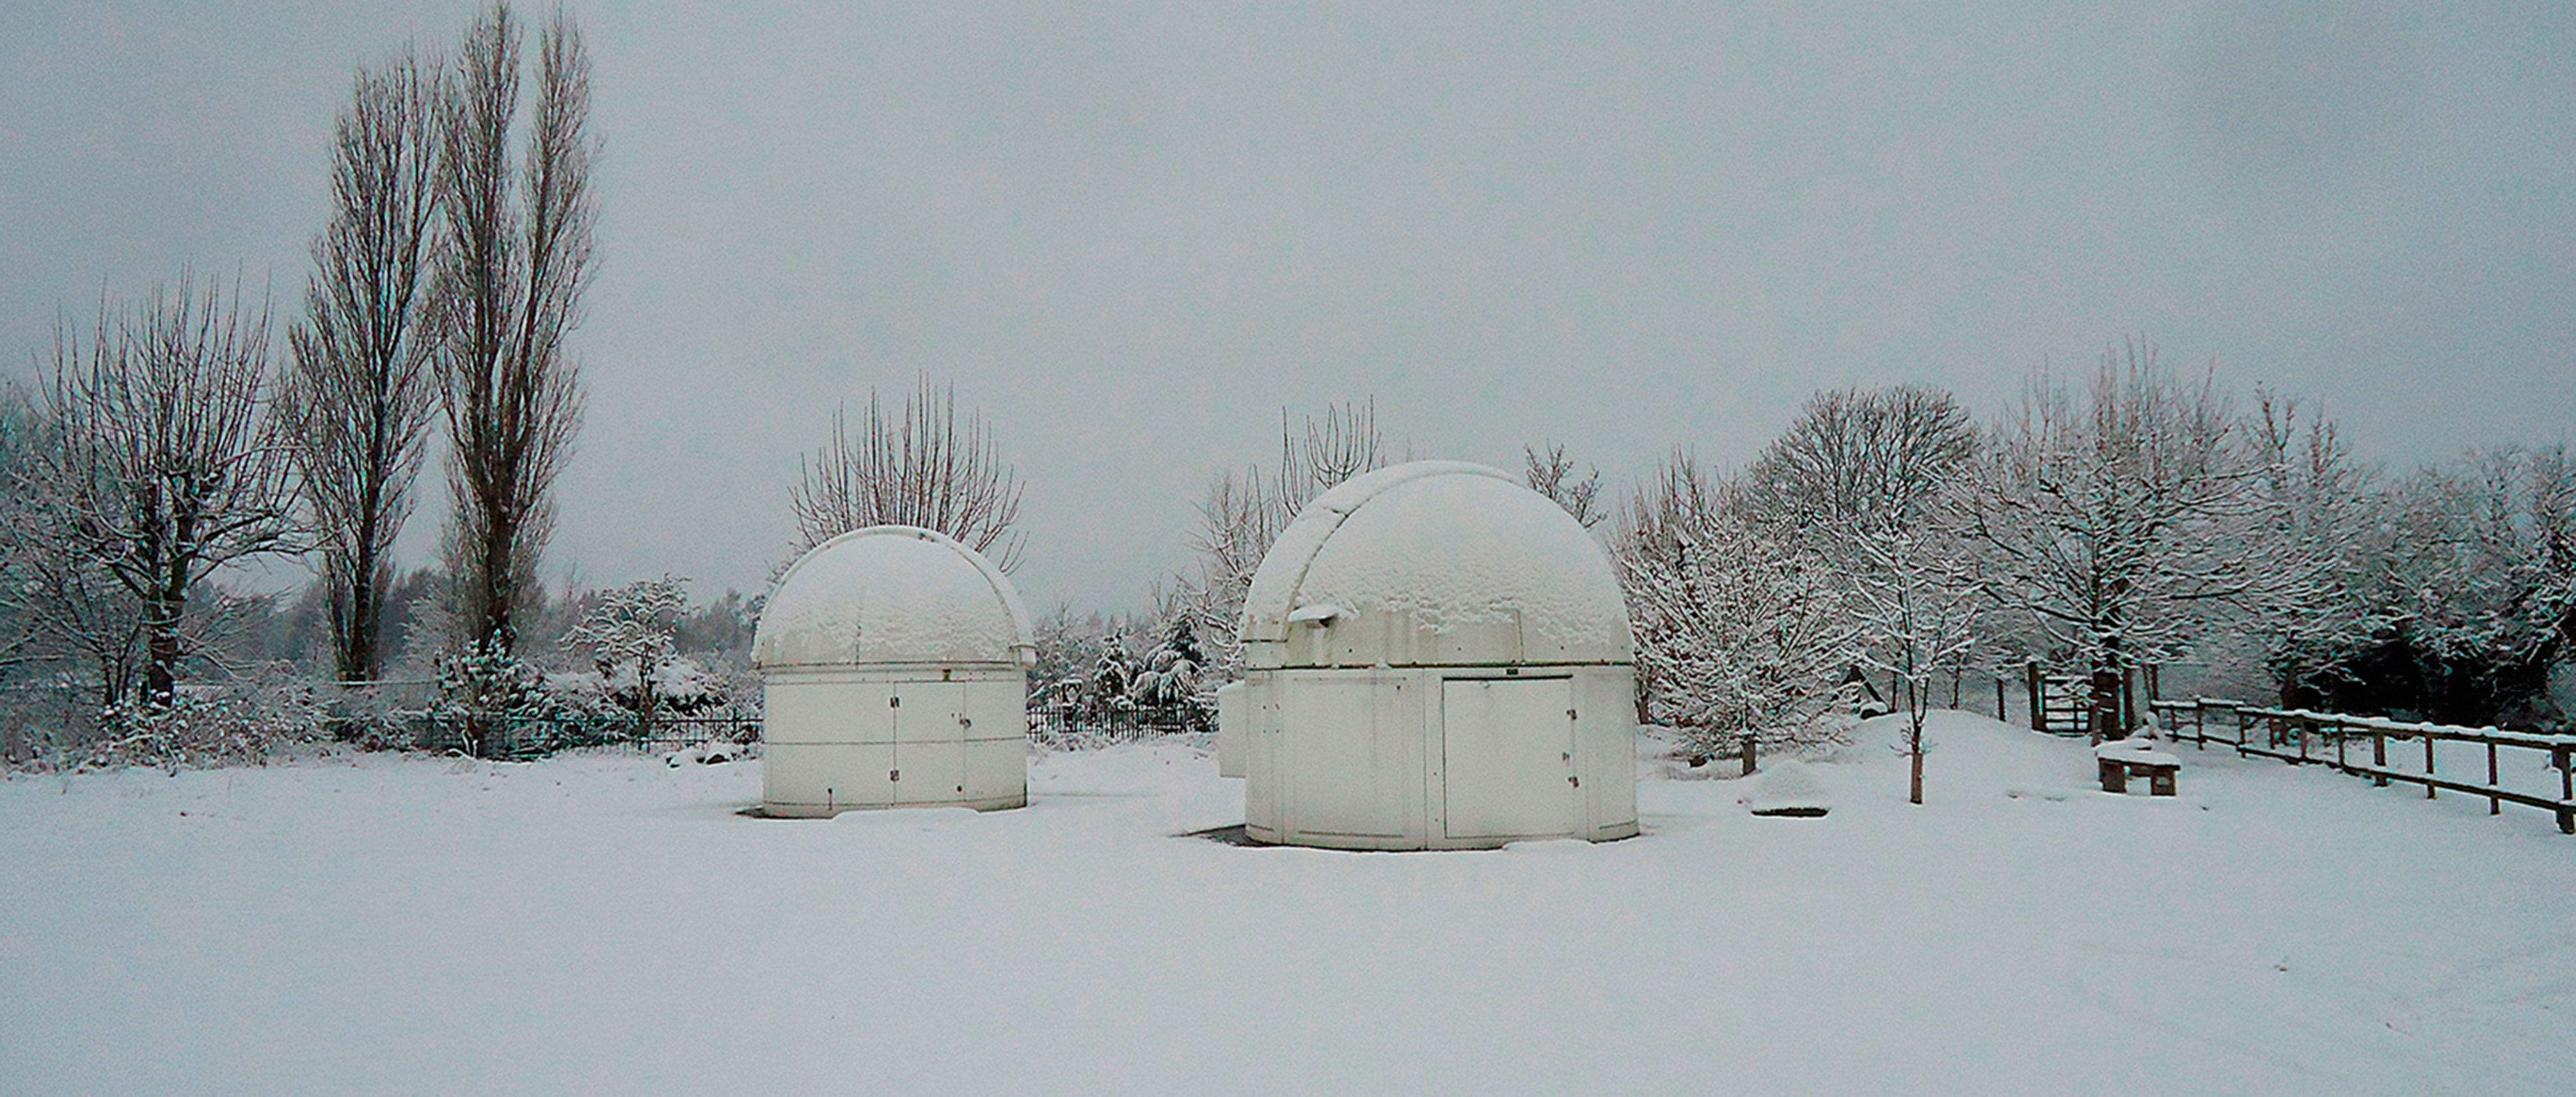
(609, 925)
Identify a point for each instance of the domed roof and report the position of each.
(892, 594)
(1437, 563)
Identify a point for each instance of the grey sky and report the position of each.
(1131, 234)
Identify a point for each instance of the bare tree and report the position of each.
(158, 466)
(1552, 474)
(1343, 444)
(514, 263)
(60, 605)
(1239, 518)
(2119, 524)
(362, 389)
(1242, 513)
(1918, 610)
(925, 468)
(1857, 461)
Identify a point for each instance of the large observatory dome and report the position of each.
(1437, 563)
(892, 594)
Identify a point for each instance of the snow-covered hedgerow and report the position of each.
(242, 722)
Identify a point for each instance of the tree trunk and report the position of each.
(2104, 720)
(161, 639)
(1916, 793)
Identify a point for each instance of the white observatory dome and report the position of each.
(892, 594)
(1436, 657)
(893, 674)
(1438, 563)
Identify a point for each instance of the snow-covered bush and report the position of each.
(1167, 686)
(493, 704)
(630, 637)
(242, 722)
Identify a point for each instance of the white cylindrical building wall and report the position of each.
(1437, 657)
(894, 672)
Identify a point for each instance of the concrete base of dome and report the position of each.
(1260, 836)
(771, 810)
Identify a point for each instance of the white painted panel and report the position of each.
(930, 773)
(810, 775)
(1263, 773)
(1507, 758)
(929, 712)
(997, 711)
(997, 768)
(1233, 727)
(1607, 730)
(1351, 772)
(826, 712)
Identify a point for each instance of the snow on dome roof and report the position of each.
(891, 594)
(1438, 562)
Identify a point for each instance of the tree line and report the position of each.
(173, 436)
(2125, 516)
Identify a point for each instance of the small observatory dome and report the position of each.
(893, 663)
(1436, 657)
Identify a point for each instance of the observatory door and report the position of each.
(1507, 757)
(929, 743)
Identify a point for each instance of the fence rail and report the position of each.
(533, 736)
(2302, 737)
(1063, 729)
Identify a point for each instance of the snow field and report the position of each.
(605, 924)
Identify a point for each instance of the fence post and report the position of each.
(2494, 806)
(2429, 791)
(2379, 757)
(1999, 698)
(2038, 703)
(1748, 754)
(2566, 790)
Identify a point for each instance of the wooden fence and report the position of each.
(2301, 737)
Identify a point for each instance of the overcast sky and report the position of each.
(1132, 234)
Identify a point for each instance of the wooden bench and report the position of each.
(2122, 759)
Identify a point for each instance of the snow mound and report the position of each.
(892, 594)
(1788, 787)
(709, 753)
(1435, 562)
